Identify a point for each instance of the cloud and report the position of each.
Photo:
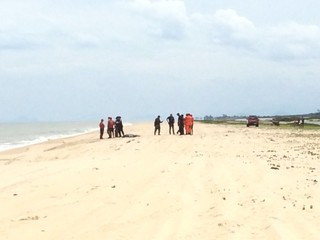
(291, 41)
(288, 41)
(231, 26)
(13, 41)
(164, 18)
(146, 50)
(124, 27)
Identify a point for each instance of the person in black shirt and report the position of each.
(180, 124)
(119, 127)
(157, 122)
(170, 121)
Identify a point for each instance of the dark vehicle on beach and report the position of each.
(253, 121)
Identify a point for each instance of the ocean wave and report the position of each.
(18, 135)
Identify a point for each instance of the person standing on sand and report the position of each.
(157, 123)
(110, 129)
(180, 124)
(101, 126)
(170, 121)
(192, 121)
(119, 127)
(188, 122)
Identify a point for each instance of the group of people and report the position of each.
(185, 124)
(114, 128)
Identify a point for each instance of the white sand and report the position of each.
(217, 184)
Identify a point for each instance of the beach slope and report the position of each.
(224, 182)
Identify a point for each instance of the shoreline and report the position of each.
(47, 136)
(58, 139)
(42, 140)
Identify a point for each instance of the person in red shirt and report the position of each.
(101, 126)
(110, 129)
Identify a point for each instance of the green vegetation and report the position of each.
(231, 122)
(306, 126)
(264, 124)
(309, 121)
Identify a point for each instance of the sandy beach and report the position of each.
(224, 182)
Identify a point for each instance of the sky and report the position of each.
(85, 60)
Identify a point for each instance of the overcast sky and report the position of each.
(82, 60)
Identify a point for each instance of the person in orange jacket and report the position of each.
(188, 123)
(192, 121)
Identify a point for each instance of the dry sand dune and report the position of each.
(224, 182)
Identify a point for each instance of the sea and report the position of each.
(14, 135)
